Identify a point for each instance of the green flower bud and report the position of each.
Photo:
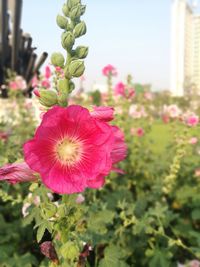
(76, 68)
(83, 8)
(68, 40)
(57, 59)
(62, 99)
(67, 73)
(65, 10)
(48, 98)
(75, 12)
(72, 3)
(80, 29)
(61, 22)
(63, 85)
(81, 52)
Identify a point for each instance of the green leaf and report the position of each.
(113, 257)
(41, 231)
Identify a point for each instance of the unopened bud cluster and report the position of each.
(73, 66)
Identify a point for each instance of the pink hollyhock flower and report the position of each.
(18, 84)
(46, 83)
(192, 120)
(47, 73)
(17, 173)
(120, 89)
(109, 70)
(173, 111)
(194, 263)
(123, 90)
(140, 132)
(193, 140)
(72, 150)
(103, 113)
(13, 85)
(148, 95)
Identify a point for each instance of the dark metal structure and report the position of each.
(16, 51)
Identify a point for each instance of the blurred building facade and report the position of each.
(185, 48)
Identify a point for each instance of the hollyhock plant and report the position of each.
(109, 70)
(73, 149)
(17, 173)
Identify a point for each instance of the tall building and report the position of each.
(185, 48)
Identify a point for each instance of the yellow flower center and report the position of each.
(68, 151)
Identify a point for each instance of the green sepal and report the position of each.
(48, 98)
(75, 12)
(81, 52)
(61, 22)
(76, 68)
(68, 40)
(57, 59)
(63, 86)
(65, 10)
(72, 3)
(80, 29)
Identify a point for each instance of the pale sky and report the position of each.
(132, 35)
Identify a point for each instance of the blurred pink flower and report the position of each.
(148, 95)
(166, 118)
(140, 132)
(192, 120)
(137, 112)
(103, 113)
(109, 70)
(73, 150)
(122, 90)
(80, 199)
(18, 83)
(36, 92)
(47, 73)
(17, 173)
(46, 83)
(193, 140)
(173, 111)
(194, 263)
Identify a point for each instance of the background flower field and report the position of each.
(147, 214)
